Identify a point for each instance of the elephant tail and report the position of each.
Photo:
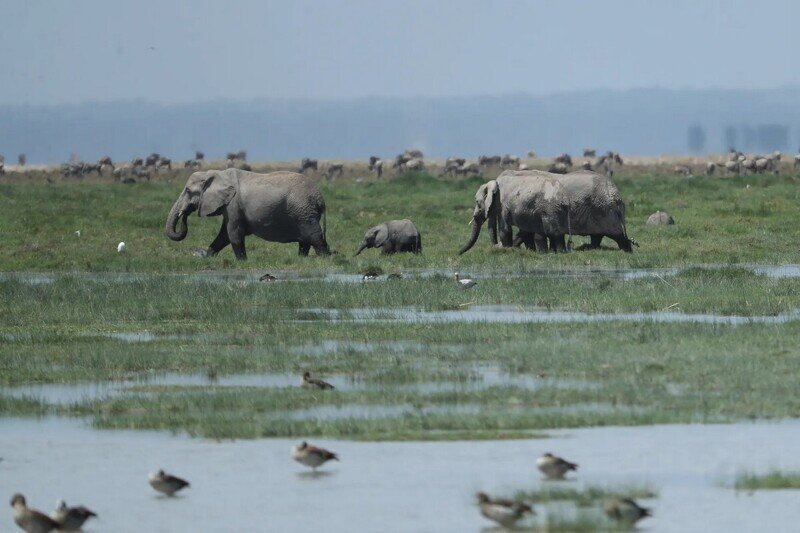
(620, 211)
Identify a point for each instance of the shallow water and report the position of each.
(517, 314)
(391, 486)
(69, 393)
(622, 274)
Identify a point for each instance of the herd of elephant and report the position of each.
(286, 207)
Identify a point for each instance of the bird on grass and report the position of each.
(504, 512)
(121, 247)
(311, 456)
(267, 277)
(314, 383)
(625, 510)
(31, 520)
(395, 275)
(371, 274)
(71, 518)
(465, 283)
(554, 467)
(166, 483)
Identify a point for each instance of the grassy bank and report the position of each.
(719, 220)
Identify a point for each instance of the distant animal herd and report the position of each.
(546, 207)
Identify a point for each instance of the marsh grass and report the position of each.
(585, 496)
(774, 480)
(639, 372)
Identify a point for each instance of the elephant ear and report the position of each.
(381, 235)
(218, 191)
(490, 198)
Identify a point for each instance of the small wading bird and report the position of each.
(166, 483)
(309, 455)
(71, 518)
(504, 512)
(313, 383)
(554, 467)
(31, 520)
(121, 247)
(267, 277)
(625, 510)
(465, 283)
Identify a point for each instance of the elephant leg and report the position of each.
(321, 246)
(236, 234)
(557, 243)
(304, 247)
(595, 241)
(220, 241)
(506, 232)
(540, 242)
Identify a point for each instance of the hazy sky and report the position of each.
(54, 51)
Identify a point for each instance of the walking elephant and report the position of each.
(393, 236)
(278, 207)
(550, 206)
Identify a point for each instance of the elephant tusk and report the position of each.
(470, 222)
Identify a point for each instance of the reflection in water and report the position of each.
(391, 486)
(252, 276)
(517, 314)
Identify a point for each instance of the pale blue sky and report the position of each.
(56, 51)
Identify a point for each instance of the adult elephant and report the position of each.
(535, 202)
(550, 206)
(278, 207)
(393, 236)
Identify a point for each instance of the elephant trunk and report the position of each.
(477, 222)
(177, 215)
(361, 248)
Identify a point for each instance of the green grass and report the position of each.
(718, 221)
(773, 480)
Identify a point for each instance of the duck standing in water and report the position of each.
(31, 520)
(71, 518)
(504, 512)
(625, 510)
(314, 383)
(554, 467)
(311, 456)
(166, 483)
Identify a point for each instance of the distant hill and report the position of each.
(642, 121)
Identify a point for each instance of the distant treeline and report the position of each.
(644, 121)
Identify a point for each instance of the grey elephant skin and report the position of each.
(393, 236)
(279, 207)
(550, 206)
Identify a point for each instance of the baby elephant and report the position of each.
(393, 236)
